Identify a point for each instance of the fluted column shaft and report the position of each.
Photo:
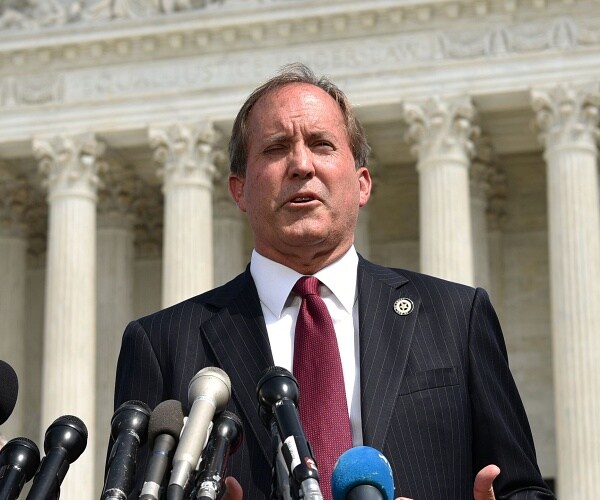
(186, 156)
(568, 119)
(13, 259)
(70, 164)
(229, 231)
(496, 218)
(115, 295)
(480, 174)
(149, 212)
(362, 237)
(13, 263)
(362, 233)
(442, 132)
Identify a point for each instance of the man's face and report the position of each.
(301, 190)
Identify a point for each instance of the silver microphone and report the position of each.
(208, 393)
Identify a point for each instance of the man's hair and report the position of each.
(295, 73)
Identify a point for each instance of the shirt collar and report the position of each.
(339, 277)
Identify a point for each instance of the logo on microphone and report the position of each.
(310, 463)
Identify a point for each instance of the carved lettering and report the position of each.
(220, 70)
(38, 89)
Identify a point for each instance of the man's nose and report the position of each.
(301, 162)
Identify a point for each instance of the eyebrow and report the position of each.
(277, 137)
(282, 136)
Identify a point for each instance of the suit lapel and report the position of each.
(385, 339)
(238, 337)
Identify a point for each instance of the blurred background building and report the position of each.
(114, 121)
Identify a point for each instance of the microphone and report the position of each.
(280, 487)
(208, 393)
(9, 389)
(277, 392)
(19, 459)
(362, 473)
(129, 426)
(224, 440)
(64, 442)
(164, 428)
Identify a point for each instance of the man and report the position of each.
(424, 368)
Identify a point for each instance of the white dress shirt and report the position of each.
(274, 283)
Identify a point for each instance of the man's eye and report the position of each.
(275, 148)
(323, 145)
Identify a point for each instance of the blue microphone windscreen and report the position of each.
(362, 465)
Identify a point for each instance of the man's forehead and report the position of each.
(303, 99)
(294, 89)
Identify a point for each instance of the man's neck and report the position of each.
(305, 261)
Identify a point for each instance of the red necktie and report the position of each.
(318, 368)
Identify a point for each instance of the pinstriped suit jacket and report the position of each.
(436, 392)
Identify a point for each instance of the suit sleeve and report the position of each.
(501, 432)
(139, 377)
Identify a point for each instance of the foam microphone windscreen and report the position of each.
(9, 389)
(359, 467)
(167, 418)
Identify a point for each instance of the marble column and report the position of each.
(114, 291)
(567, 117)
(442, 132)
(149, 211)
(480, 173)
(185, 153)
(36, 216)
(496, 221)
(230, 252)
(70, 165)
(362, 233)
(13, 269)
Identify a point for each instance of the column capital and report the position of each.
(481, 167)
(225, 205)
(441, 129)
(497, 194)
(116, 193)
(14, 198)
(70, 164)
(36, 216)
(374, 166)
(185, 153)
(567, 116)
(148, 207)
(488, 182)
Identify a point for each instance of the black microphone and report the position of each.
(278, 392)
(9, 389)
(208, 393)
(64, 442)
(128, 429)
(164, 428)
(19, 459)
(224, 440)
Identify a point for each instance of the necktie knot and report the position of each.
(307, 285)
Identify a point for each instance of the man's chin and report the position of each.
(304, 240)
(305, 231)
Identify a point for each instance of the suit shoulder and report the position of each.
(419, 280)
(426, 280)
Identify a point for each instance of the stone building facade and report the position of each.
(114, 119)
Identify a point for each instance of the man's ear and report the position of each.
(365, 183)
(236, 190)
